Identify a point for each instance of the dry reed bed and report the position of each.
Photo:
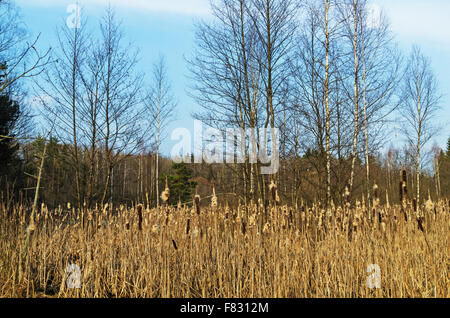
(303, 252)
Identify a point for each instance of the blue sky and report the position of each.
(166, 27)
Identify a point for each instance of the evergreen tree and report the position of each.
(9, 115)
(181, 188)
(448, 147)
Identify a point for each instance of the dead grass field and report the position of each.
(304, 252)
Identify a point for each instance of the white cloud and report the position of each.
(188, 7)
(419, 20)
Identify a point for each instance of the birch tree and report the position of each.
(122, 102)
(59, 92)
(420, 100)
(19, 58)
(161, 106)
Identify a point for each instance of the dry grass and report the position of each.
(307, 252)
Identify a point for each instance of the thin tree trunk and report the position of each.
(327, 106)
(108, 96)
(74, 73)
(366, 134)
(356, 115)
(419, 135)
(157, 154)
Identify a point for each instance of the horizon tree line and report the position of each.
(328, 74)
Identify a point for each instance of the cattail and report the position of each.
(429, 205)
(400, 191)
(227, 209)
(266, 228)
(376, 200)
(404, 174)
(197, 202)
(214, 198)
(244, 230)
(273, 190)
(105, 208)
(420, 224)
(387, 200)
(404, 182)
(355, 225)
(252, 220)
(139, 211)
(166, 194)
(31, 228)
(188, 226)
(260, 203)
(347, 195)
(414, 202)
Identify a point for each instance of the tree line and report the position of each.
(328, 74)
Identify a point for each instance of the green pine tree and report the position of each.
(448, 147)
(181, 188)
(9, 115)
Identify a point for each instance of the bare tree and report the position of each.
(240, 70)
(420, 100)
(122, 101)
(60, 93)
(275, 22)
(18, 57)
(161, 106)
(317, 85)
(380, 78)
(90, 111)
(227, 76)
(373, 80)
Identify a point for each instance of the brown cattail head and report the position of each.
(404, 184)
(429, 205)
(273, 190)
(214, 198)
(420, 224)
(405, 190)
(197, 202)
(166, 194)
(387, 200)
(347, 195)
(414, 205)
(400, 190)
(403, 174)
(139, 211)
(376, 199)
(244, 230)
(188, 226)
